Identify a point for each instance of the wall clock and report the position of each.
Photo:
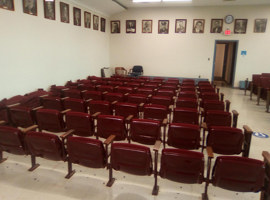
(229, 19)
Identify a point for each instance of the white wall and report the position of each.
(37, 52)
(186, 55)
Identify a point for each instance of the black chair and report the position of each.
(137, 70)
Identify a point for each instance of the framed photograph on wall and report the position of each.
(163, 26)
(87, 19)
(130, 26)
(64, 12)
(30, 7)
(102, 24)
(147, 26)
(49, 9)
(216, 25)
(260, 25)
(198, 25)
(180, 25)
(240, 26)
(76, 16)
(7, 4)
(115, 26)
(95, 22)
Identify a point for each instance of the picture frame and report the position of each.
(77, 16)
(30, 7)
(64, 12)
(102, 24)
(216, 25)
(198, 25)
(7, 4)
(130, 26)
(163, 26)
(95, 22)
(260, 25)
(87, 19)
(49, 9)
(180, 25)
(240, 26)
(115, 26)
(147, 26)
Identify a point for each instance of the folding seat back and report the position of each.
(218, 118)
(81, 123)
(77, 105)
(188, 88)
(187, 103)
(209, 96)
(50, 120)
(209, 89)
(146, 91)
(151, 85)
(256, 79)
(94, 95)
(45, 145)
(238, 174)
(169, 86)
(188, 94)
(111, 125)
(184, 136)
(125, 109)
(111, 97)
(182, 166)
(52, 102)
(115, 83)
(57, 90)
(201, 83)
(225, 140)
(22, 116)
(124, 90)
(133, 84)
(166, 92)
(137, 98)
(104, 107)
(186, 115)
(87, 152)
(213, 105)
(188, 81)
(266, 75)
(162, 100)
(105, 88)
(131, 158)
(11, 141)
(88, 87)
(173, 80)
(145, 131)
(155, 112)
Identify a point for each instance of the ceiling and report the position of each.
(111, 7)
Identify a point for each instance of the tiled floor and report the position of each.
(48, 182)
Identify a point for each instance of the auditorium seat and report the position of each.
(104, 107)
(78, 105)
(186, 115)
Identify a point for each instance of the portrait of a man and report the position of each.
(260, 25)
(240, 26)
(77, 16)
(146, 26)
(87, 19)
(115, 26)
(163, 26)
(198, 26)
(180, 25)
(7, 4)
(102, 24)
(95, 22)
(64, 12)
(49, 9)
(131, 26)
(216, 25)
(30, 7)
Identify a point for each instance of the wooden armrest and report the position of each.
(204, 126)
(201, 110)
(266, 156)
(45, 95)
(36, 108)
(83, 91)
(141, 104)
(2, 122)
(126, 94)
(129, 118)
(247, 129)
(65, 111)
(12, 105)
(235, 113)
(157, 145)
(65, 89)
(88, 100)
(150, 95)
(210, 152)
(30, 128)
(114, 102)
(105, 92)
(164, 122)
(109, 140)
(116, 86)
(171, 107)
(64, 98)
(68, 133)
(96, 114)
(174, 97)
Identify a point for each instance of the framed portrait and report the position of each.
(240, 26)
(30, 7)
(95, 22)
(87, 19)
(198, 25)
(216, 25)
(102, 24)
(130, 26)
(180, 25)
(7, 4)
(115, 26)
(163, 26)
(64, 12)
(77, 16)
(49, 9)
(147, 26)
(260, 25)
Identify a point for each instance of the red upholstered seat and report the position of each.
(155, 112)
(50, 120)
(137, 98)
(72, 93)
(52, 102)
(187, 94)
(166, 92)
(186, 115)
(111, 97)
(218, 118)
(94, 95)
(144, 90)
(22, 116)
(162, 100)
(124, 90)
(187, 103)
(125, 109)
(105, 88)
(78, 105)
(104, 107)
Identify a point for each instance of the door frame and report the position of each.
(235, 57)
